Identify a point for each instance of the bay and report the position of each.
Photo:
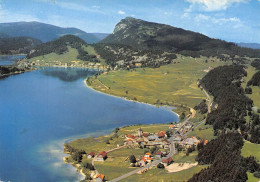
(42, 109)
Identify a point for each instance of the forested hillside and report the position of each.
(148, 35)
(16, 45)
(226, 162)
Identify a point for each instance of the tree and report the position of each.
(169, 133)
(132, 159)
(77, 156)
(160, 166)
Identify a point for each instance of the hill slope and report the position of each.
(44, 32)
(14, 45)
(149, 35)
(68, 50)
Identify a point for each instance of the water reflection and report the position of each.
(69, 74)
(10, 59)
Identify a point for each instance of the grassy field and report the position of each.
(67, 57)
(96, 144)
(205, 132)
(251, 149)
(181, 157)
(251, 178)
(117, 163)
(160, 175)
(255, 96)
(174, 84)
(154, 128)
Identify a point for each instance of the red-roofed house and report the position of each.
(158, 154)
(91, 155)
(145, 134)
(101, 156)
(100, 177)
(167, 161)
(161, 134)
(131, 136)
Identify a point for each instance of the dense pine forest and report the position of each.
(228, 120)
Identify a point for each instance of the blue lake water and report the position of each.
(8, 60)
(40, 110)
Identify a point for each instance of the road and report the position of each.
(208, 98)
(172, 144)
(154, 163)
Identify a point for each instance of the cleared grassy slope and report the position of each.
(173, 84)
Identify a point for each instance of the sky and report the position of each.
(230, 20)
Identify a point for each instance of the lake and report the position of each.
(10, 59)
(42, 109)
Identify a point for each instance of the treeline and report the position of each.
(233, 105)
(6, 70)
(17, 45)
(223, 154)
(256, 64)
(59, 46)
(128, 57)
(255, 80)
(202, 107)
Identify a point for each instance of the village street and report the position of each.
(172, 144)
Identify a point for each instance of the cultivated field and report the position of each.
(174, 84)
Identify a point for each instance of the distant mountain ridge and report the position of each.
(148, 35)
(44, 32)
(249, 45)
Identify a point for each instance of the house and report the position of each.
(148, 157)
(161, 134)
(101, 156)
(191, 141)
(91, 155)
(100, 178)
(171, 127)
(145, 134)
(178, 138)
(167, 161)
(142, 162)
(130, 136)
(153, 138)
(140, 132)
(158, 154)
(138, 64)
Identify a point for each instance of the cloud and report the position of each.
(209, 20)
(79, 7)
(6, 16)
(121, 12)
(212, 5)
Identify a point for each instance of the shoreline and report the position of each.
(124, 98)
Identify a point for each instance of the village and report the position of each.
(159, 149)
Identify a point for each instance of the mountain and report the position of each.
(249, 45)
(66, 47)
(3, 35)
(100, 36)
(148, 35)
(44, 32)
(16, 45)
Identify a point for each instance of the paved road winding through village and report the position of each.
(172, 144)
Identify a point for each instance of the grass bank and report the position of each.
(173, 84)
